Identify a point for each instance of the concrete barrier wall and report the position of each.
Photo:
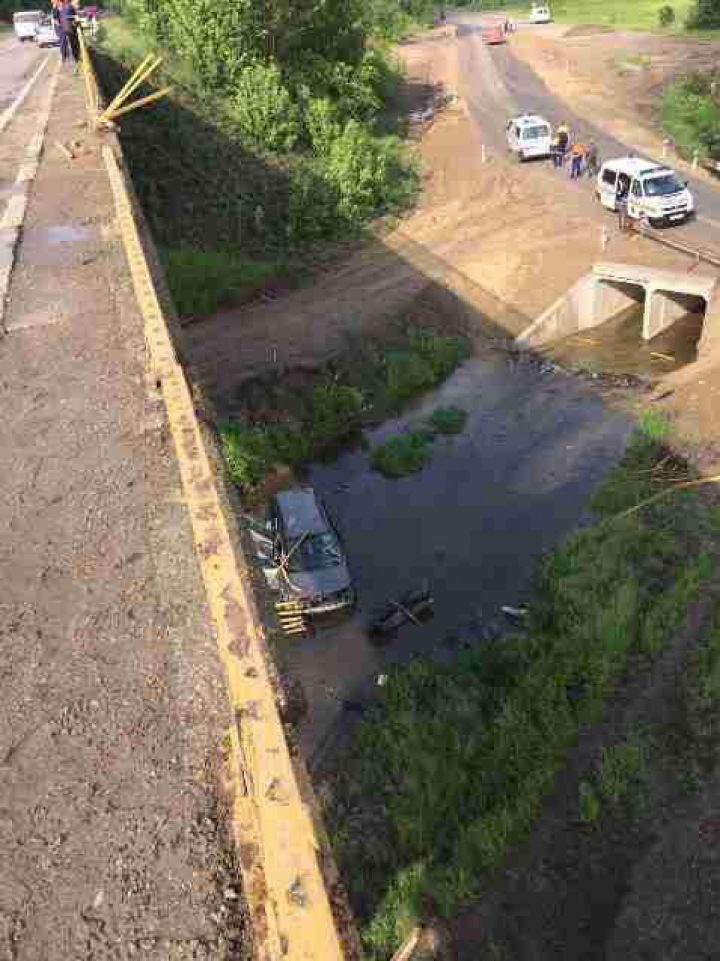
(664, 307)
(570, 313)
(296, 908)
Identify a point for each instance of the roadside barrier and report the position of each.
(287, 870)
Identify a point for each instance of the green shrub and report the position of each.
(589, 804)
(704, 15)
(369, 173)
(200, 281)
(321, 121)
(407, 374)
(619, 770)
(690, 116)
(442, 354)
(263, 109)
(448, 420)
(666, 16)
(402, 455)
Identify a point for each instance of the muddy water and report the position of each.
(472, 523)
(617, 346)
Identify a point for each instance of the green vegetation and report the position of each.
(273, 136)
(452, 766)
(201, 281)
(448, 420)
(403, 454)
(409, 453)
(690, 114)
(363, 388)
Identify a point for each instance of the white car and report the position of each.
(540, 14)
(45, 35)
(653, 192)
(529, 136)
(25, 23)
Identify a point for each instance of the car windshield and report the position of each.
(660, 186)
(535, 133)
(314, 552)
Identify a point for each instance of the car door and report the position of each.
(607, 187)
(635, 201)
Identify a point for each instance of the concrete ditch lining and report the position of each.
(611, 287)
(287, 869)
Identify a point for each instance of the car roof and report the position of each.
(530, 119)
(300, 512)
(636, 166)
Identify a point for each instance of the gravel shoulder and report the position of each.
(111, 701)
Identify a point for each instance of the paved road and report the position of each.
(497, 85)
(17, 60)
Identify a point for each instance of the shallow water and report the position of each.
(472, 523)
(617, 346)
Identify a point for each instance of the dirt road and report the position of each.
(111, 704)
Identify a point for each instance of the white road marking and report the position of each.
(8, 114)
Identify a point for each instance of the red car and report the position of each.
(493, 35)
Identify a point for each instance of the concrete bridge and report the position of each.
(611, 288)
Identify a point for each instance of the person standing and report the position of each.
(577, 156)
(592, 163)
(563, 142)
(74, 27)
(65, 19)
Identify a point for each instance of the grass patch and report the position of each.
(202, 281)
(402, 455)
(448, 420)
(362, 389)
(452, 766)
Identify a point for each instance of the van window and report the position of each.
(536, 133)
(662, 186)
(636, 189)
(27, 17)
(609, 177)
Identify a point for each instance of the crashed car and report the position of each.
(302, 553)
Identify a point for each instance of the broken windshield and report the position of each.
(314, 552)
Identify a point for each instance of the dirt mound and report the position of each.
(587, 30)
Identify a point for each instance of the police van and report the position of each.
(25, 23)
(653, 192)
(529, 136)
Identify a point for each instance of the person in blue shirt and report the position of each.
(65, 18)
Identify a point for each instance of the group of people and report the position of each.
(583, 157)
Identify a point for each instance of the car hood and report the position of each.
(327, 581)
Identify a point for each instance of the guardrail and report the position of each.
(287, 870)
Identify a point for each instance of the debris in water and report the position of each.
(514, 611)
(415, 606)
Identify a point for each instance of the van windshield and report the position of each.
(27, 17)
(536, 133)
(661, 186)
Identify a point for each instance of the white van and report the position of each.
(25, 23)
(654, 193)
(540, 13)
(529, 136)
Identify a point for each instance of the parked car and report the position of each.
(46, 35)
(654, 192)
(540, 13)
(25, 23)
(529, 136)
(493, 35)
(309, 552)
